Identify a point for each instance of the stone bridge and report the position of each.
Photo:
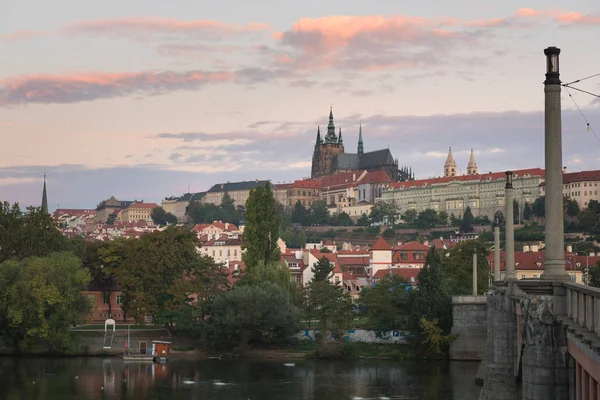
(543, 334)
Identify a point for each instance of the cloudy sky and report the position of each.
(145, 98)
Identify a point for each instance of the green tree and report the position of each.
(516, 212)
(299, 214)
(32, 233)
(246, 315)
(363, 220)
(442, 218)
(262, 227)
(318, 213)
(572, 208)
(322, 270)
(341, 219)
(276, 273)
(467, 221)
(587, 220)
(594, 275)
(111, 219)
(330, 306)
(527, 211)
(539, 207)
(498, 219)
(427, 219)
(410, 216)
(387, 303)
(385, 212)
(40, 298)
(594, 205)
(458, 268)
(162, 218)
(228, 210)
(203, 213)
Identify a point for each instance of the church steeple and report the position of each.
(472, 166)
(340, 141)
(450, 165)
(330, 137)
(319, 141)
(44, 198)
(361, 149)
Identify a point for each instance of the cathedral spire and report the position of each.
(472, 166)
(44, 198)
(330, 137)
(361, 149)
(340, 141)
(319, 135)
(450, 164)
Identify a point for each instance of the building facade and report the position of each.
(580, 186)
(110, 206)
(483, 193)
(137, 212)
(238, 191)
(178, 205)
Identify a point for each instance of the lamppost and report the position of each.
(509, 229)
(554, 266)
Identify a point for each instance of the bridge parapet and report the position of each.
(583, 306)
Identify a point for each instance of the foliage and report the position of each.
(322, 270)
(588, 220)
(275, 273)
(162, 218)
(443, 218)
(40, 298)
(467, 221)
(527, 211)
(434, 336)
(161, 274)
(458, 268)
(594, 275)
(299, 214)
(427, 219)
(498, 219)
(387, 303)
(228, 210)
(594, 205)
(389, 233)
(410, 216)
(385, 212)
(341, 219)
(363, 220)
(262, 227)
(29, 233)
(208, 213)
(572, 208)
(261, 313)
(318, 213)
(330, 306)
(539, 207)
(294, 238)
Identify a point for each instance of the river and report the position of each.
(112, 378)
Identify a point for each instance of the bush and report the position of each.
(336, 350)
(253, 314)
(389, 233)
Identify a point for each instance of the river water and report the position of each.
(112, 378)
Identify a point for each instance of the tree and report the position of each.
(527, 211)
(442, 218)
(594, 205)
(276, 273)
(363, 220)
(162, 218)
(111, 219)
(587, 220)
(539, 207)
(330, 306)
(594, 275)
(498, 219)
(322, 270)
(458, 268)
(341, 219)
(246, 315)
(385, 212)
(262, 227)
(203, 213)
(387, 303)
(318, 213)
(516, 212)
(299, 214)
(40, 298)
(410, 216)
(467, 221)
(228, 210)
(572, 208)
(427, 219)
(32, 233)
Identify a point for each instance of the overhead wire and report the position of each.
(589, 127)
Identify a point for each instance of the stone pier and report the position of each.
(469, 315)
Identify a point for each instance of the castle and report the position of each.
(329, 157)
(450, 165)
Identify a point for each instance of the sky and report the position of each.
(146, 99)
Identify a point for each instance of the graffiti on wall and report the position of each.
(361, 335)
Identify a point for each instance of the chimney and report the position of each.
(569, 249)
(354, 177)
(564, 170)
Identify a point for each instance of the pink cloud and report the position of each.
(141, 27)
(21, 35)
(577, 18)
(92, 86)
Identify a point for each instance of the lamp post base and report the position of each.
(554, 270)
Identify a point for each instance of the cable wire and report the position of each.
(589, 127)
(582, 79)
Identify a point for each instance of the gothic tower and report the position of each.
(326, 150)
(44, 198)
(472, 166)
(361, 149)
(450, 165)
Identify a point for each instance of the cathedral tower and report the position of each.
(326, 150)
(450, 165)
(472, 166)
(44, 198)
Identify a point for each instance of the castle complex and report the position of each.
(330, 158)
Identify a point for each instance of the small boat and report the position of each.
(138, 357)
(159, 353)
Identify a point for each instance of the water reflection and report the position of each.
(112, 378)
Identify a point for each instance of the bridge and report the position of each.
(543, 333)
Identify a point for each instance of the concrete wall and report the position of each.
(361, 335)
(469, 315)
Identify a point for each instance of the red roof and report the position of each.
(380, 244)
(406, 273)
(142, 205)
(376, 177)
(73, 212)
(306, 184)
(413, 246)
(440, 243)
(465, 178)
(332, 257)
(582, 176)
(534, 260)
(341, 180)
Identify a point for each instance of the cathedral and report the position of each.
(329, 157)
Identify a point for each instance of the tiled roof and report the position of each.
(332, 257)
(582, 176)
(467, 178)
(226, 242)
(440, 243)
(307, 184)
(413, 246)
(235, 186)
(534, 260)
(377, 158)
(380, 244)
(406, 273)
(191, 196)
(72, 212)
(353, 261)
(142, 206)
(376, 177)
(341, 180)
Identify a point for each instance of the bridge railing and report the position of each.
(583, 306)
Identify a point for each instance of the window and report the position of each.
(229, 251)
(120, 300)
(220, 253)
(235, 252)
(523, 276)
(213, 253)
(534, 276)
(148, 319)
(105, 298)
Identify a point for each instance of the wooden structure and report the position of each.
(161, 350)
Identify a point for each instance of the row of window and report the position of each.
(235, 252)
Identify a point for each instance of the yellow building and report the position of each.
(580, 186)
(137, 212)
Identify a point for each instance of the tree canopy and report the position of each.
(162, 218)
(387, 303)
(322, 270)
